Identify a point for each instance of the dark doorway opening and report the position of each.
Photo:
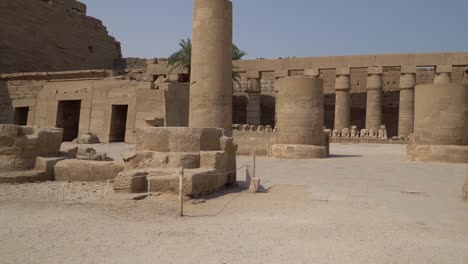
(118, 123)
(268, 110)
(21, 116)
(68, 118)
(239, 110)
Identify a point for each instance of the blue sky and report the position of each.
(287, 28)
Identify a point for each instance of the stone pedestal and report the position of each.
(343, 100)
(374, 98)
(207, 156)
(254, 104)
(406, 113)
(300, 119)
(211, 70)
(441, 124)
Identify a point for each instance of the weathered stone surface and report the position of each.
(86, 170)
(23, 176)
(441, 124)
(19, 151)
(465, 187)
(88, 139)
(298, 151)
(179, 139)
(74, 40)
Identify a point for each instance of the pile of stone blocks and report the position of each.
(29, 154)
(206, 155)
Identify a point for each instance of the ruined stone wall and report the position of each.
(148, 104)
(53, 35)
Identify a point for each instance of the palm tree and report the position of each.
(181, 59)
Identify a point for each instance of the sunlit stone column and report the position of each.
(374, 98)
(443, 74)
(406, 114)
(254, 90)
(211, 70)
(343, 101)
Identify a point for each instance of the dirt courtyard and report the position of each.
(366, 204)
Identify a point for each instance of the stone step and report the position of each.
(24, 176)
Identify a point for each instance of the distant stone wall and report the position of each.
(53, 35)
(98, 93)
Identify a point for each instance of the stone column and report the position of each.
(211, 70)
(443, 74)
(343, 100)
(406, 114)
(374, 98)
(300, 118)
(254, 90)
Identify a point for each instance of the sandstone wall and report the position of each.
(55, 35)
(149, 104)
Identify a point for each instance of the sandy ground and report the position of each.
(364, 205)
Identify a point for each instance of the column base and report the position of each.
(285, 151)
(438, 153)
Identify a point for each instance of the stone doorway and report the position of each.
(118, 125)
(21, 116)
(68, 118)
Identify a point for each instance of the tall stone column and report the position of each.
(406, 114)
(374, 98)
(343, 100)
(443, 74)
(211, 70)
(254, 90)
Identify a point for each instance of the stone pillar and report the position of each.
(300, 118)
(406, 114)
(374, 98)
(443, 74)
(211, 70)
(254, 89)
(343, 100)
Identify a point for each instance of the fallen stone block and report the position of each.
(299, 151)
(23, 176)
(87, 170)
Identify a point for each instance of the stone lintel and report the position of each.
(252, 75)
(375, 70)
(314, 72)
(409, 69)
(343, 71)
(281, 73)
(444, 69)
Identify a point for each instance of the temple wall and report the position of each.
(53, 35)
(148, 104)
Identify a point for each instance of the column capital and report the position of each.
(375, 70)
(408, 69)
(343, 71)
(407, 81)
(374, 82)
(314, 72)
(252, 75)
(281, 73)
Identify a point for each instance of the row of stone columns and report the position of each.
(343, 99)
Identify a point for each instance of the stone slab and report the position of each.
(86, 170)
(24, 176)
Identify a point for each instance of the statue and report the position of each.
(268, 129)
(354, 132)
(364, 133)
(260, 129)
(372, 133)
(336, 133)
(252, 128)
(328, 132)
(345, 133)
(245, 127)
(382, 132)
